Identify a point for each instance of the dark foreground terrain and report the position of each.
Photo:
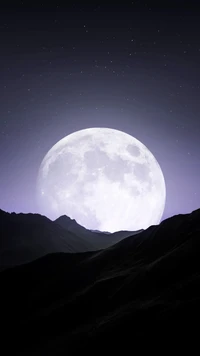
(140, 293)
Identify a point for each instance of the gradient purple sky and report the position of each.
(132, 67)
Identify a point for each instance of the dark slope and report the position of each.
(143, 290)
(98, 239)
(25, 237)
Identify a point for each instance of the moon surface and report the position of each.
(103, 178)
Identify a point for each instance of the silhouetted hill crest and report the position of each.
(145, 287)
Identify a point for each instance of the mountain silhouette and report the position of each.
(140, 292)
(26, 237)
(98, 239)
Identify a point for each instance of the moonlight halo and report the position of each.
(103, 178)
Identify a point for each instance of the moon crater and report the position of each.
(133, 150)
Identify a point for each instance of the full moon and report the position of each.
(103, 178)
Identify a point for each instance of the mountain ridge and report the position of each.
(28, 236)
(102, 239)
(25, 237)
(145, 287)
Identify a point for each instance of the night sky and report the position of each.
(134, 67)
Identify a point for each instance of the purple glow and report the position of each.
(56, 78)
